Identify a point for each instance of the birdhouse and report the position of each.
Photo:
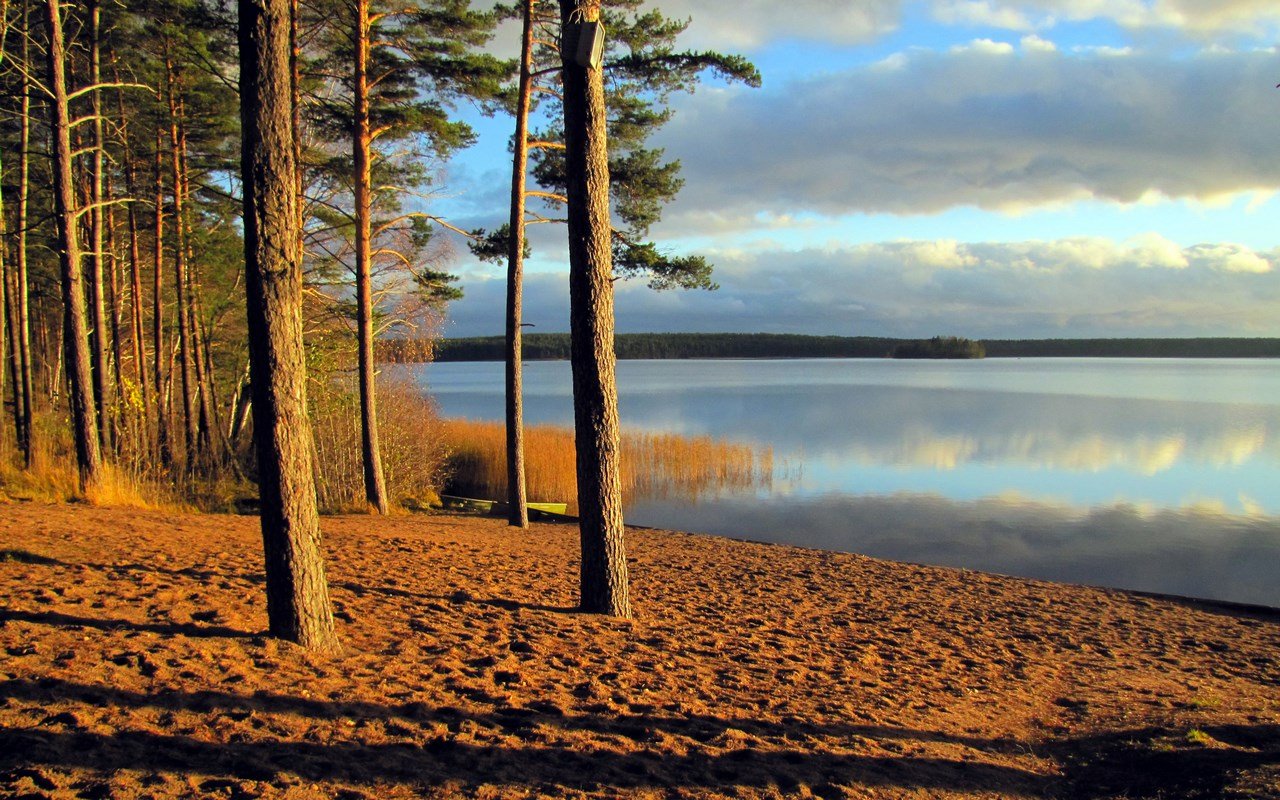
(583, 42)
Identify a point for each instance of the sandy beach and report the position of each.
(133, 665)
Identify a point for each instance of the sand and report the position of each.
(133, 665)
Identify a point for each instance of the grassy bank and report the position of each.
(653, 465)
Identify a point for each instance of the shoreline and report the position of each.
(136, 667)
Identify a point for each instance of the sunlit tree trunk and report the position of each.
(202, 376)
(189, 420)
(23, 308)
(135, 274)
(164, 443)
(75, 328)
(298, 605)
(97, 234)
(603, 568)
(375, 485)
(518, 515)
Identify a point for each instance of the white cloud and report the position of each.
(1034, 44)
(749, 24)
(982, 12)
(985, 47)
(1073, 287)
(1197, 17)
(1230, 258)
(984, 127)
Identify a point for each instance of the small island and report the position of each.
(940, 347)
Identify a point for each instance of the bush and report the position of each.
(410, 438)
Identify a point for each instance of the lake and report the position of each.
(1154, 474)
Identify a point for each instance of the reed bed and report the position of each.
(654, 465)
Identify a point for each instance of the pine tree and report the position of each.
(406, 64)
(642, 69)
(298, 606)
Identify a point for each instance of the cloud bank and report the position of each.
(1080, 287)
(984, 125)
(752, 24)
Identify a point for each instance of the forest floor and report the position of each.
(133, 665)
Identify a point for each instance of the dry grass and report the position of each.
(653, 465)
(412, 447)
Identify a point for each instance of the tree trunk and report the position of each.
(135, 273)
(97, 226)
(604, 581)
(190, 431)
(375, 486)
(23, 302)
(164, 442)
(113, 311)
(12, 333)
(75, 328)
(516, 497)
(203, 377)
(298, 605)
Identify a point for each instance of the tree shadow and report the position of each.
(443, 760)
(194, 573)
(60, 620)
(27, 557)
(751, 753)
(459, 597)
(1159, 762)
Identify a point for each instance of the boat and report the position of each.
(499, 507)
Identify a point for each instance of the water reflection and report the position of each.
(1155, 475)
(1198, 552)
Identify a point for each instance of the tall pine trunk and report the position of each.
(164, 439)
(97, 232)
(75, 327)
(23, 308)
(375, 485)
(202, 376)
(135, 272)
(298, 605)
(518, 516)
(603, 570)
(185, 355)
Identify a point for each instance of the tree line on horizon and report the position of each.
(555, 346)
(211, 214)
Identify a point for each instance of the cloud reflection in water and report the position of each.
(1195, 551)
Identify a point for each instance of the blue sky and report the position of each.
(994, 168)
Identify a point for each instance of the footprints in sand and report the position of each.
(749, 671)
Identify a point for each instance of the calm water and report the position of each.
(1159, 474)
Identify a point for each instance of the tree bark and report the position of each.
(518, 515)
(298, 605)
(189, 422)
(97, 229)
(604, 582)
(375, 487)
(23, 303)
(113, 312)
(75, 328)
(135, 272)
(203, 379)
(164, 441)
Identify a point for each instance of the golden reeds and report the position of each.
(654, 465)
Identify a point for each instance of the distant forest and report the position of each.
(555, 346)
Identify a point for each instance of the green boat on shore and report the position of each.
(499, 507)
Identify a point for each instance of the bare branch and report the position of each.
(99, 86)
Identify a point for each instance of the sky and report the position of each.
(982, 168)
